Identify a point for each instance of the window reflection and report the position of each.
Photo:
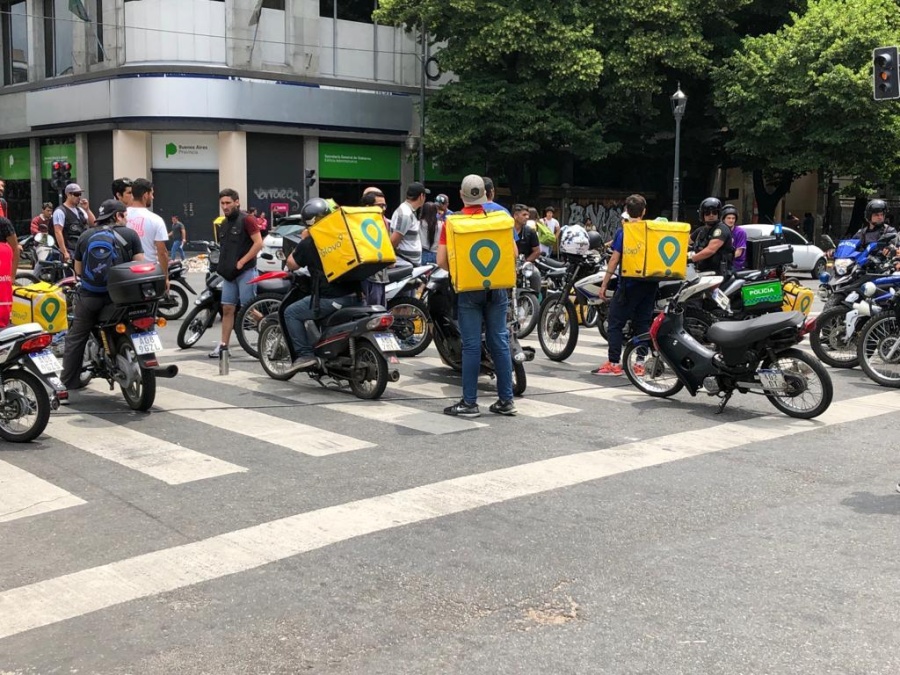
(15, 41)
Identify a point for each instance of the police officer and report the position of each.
(875, 227)
(713, 247)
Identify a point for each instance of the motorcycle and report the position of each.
(353, 344)
(441, 300)
(176, 303)
(528, 301)
(29, 382)
(878, 347)
(271, 287)
(207, 307)
(852, 268)
(412, 323)
(123, 345)
(753, 356)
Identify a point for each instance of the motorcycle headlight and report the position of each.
(869, 289)
(840, 267)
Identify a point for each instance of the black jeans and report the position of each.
(87, 312)
(633, 302)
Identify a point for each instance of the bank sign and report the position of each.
(180, 151)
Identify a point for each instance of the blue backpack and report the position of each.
(105, 248)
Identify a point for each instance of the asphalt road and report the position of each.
(251, 526)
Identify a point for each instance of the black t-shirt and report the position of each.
(526, 240)
(306, 255)
(133, 246)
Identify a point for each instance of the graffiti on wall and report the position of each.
(280, 194)
(605, 216)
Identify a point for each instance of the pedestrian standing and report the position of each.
(70, 220)
(430, 232)
(179, 239)
(405, 225)
(150, 227)
(551, 224)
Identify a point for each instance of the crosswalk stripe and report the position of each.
(525, 407)
(302, 438)
(156, 458)
(410, 418)
(23, 494)
(74, 595)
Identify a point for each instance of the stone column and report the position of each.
(233, 163)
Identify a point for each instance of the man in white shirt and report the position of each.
(405, 225)
(150, 227)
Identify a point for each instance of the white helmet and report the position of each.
(574, 240)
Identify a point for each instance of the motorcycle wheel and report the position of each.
(274, 355)
(141, 393)
(412, 324)
(246, 325)
(195, 324)
(26, 412)
(529, 311)
(25, 279)
(87, 366)
(520, 379)
(558, 328)
(177, 304)
(879, 351)
(829, 341)
(810, 388)
(658, 379)
(376, 377)
(589, 316)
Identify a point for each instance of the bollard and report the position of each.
(223, 361)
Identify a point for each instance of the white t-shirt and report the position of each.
(150, 228)
(405, 222)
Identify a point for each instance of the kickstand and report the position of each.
(725, 397)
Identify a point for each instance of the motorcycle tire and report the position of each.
(274, 354)
(246, 328)
(26, 396)
(520, 379)
(413, 329)
(828, 339)
(651, 382)
(589, 316)
(140, 395)
(816, 369)
(178, 298)
(195, 325)
(529, 311)
(558, 318)
(376, 378)
(878, 339)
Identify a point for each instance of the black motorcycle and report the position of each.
(353, 345)
(176, 303)
(441, 301)
(271, 288)
(207, 307)
(754, 356)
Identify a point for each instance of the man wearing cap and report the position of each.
(405, 225)
(476, 310)
(90, 304)
(70, 220)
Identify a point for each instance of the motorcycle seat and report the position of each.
(399, 273)
(748, 274)
(274, 286)
(348, 314)
(550, 262)
(734, 333)
(13, 333)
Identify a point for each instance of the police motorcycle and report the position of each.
(756, 356)
(123, 345)
(878, 347)
(854, 265)
(29, 382)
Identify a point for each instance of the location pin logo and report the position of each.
(50, 309)
(669, 250)
(476, 257)
(373, 234)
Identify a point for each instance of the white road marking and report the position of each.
(404, 416)
(159, 459)
(23, 494)
(90, 590)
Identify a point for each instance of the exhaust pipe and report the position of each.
(394, 375)
(167, 372)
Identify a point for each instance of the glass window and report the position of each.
(98, 23)
(794, 238)
(58, 29)
(349, 10)
(15, 41)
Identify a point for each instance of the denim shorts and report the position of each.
(239, 289)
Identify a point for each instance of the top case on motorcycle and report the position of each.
(744, 333)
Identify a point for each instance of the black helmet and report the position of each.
(108, 211)
(709, 204)
(595, 241)
(314, 210)
(875, 206)
(729, 210)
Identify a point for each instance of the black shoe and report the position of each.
(463, 409)
(504, 408)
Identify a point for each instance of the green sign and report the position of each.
(53, 153)
(756, 294)
(15, 163)
(361, 162)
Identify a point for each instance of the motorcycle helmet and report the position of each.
(709, 205)
(108, 211)
(314, 210)
(875, 206)
(595, 241)
(729, 210)
(574, 240)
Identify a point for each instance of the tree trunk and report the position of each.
(857, 217)
(767, 201)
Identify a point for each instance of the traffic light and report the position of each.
(886, 73)
(310, 177)
(66, 173)
(56, 177)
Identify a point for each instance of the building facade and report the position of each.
(204, 94)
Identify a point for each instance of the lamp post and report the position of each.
(679, 103)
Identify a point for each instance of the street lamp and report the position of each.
(679, 103)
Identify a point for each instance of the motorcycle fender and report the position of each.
(205, 296)
(51, 382)
(368, 337)
(643, 338)
(184, 283)
(850, 323)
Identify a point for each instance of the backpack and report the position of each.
(105, 248)
(545, 234)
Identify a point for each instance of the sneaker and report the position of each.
(214, 354)
(609, 368)
(303, 363)
(463, 409)
(638, 369)
(504, 408)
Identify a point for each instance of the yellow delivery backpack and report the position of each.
(481, 250)
(797, 298)
(41, 303)
(353, 243)
(655, 250)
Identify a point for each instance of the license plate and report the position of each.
(146, 343)
(721, 299)
(387, 342)
(771, 379)
(46, 362)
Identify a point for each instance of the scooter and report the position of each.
(353, 344)
(753, 356)
(412, 323)
(176, 303)
(207, 307)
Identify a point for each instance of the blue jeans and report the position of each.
(428, 257)
(485, 309)
(301, 311)
(633, 301)
(177, 249)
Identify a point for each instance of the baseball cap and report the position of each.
(442, 199)
(73, 187)
(109, 209)
(416, 190)
(472, 190)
